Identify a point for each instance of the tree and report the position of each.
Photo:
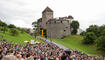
(14, 32)
(83, 33)
(4, 29)
(22, 30)
(74, 25)
(103, 33)
(27, 31)
(11, 26)
(36, 32)
(2, 24)
(94, 29)
(101, 30)
(100, 43)
(89, 38)
(34, 24)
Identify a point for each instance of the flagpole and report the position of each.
(42, 33)
(51, 37)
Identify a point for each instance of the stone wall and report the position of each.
(39, 23)
(59, 28)
(45, 17)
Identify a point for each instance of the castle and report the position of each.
(57, 27)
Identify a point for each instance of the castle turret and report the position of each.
(47, 14)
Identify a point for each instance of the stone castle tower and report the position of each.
(47, 14)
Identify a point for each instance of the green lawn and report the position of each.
(19, 39)
(75, 41)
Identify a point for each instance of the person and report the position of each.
(9, 57)
(30, 58)
(23, 57)
(42, 57)
(1, 55)
(46, 58)
(57, 58)
(63, 57)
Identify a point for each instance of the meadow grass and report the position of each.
(18, 39)
(75, 42)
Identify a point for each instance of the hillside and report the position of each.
(19, 39)
(75, 41)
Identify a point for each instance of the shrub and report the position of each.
(100, 42)
(14, 32)
(89, 38)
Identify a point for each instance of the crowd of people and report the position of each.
(41, 51)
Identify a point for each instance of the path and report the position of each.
(48, 41)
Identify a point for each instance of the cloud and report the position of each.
(23, 12)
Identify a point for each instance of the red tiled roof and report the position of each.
(47, 9)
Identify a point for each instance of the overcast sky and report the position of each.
(23, 12)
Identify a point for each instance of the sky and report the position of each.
(23, 12)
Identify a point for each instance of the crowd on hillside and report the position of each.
(47, 51)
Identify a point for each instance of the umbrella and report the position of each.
(36, 42)
(68, 51)
(25, 41)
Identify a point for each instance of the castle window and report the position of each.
(46, 22)
(64, 30)
(66, 27)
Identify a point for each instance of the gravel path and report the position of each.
(48, 41)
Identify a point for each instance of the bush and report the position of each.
(103, 33)
(83, 33)
(14, 32)
(11, 26)
(94, 29)
(89, 38)
(100, 42)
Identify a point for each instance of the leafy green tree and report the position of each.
(5, 29)
(14, 32)
(11, 26)
(100, 42)
(34, 24)
(36, 33)
(2, 24)
(27, 31)
(74, 25)
(103, 33)
(101, 30)
(89, 38)
(22, 30)
(94, 29)
(1, 28)
(83, 33)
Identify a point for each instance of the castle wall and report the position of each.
(59, 28)
(45, 17)
(39, 23)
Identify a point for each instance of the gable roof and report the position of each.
(47, 9)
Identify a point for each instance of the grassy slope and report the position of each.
(19, 39)
(75, 41)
